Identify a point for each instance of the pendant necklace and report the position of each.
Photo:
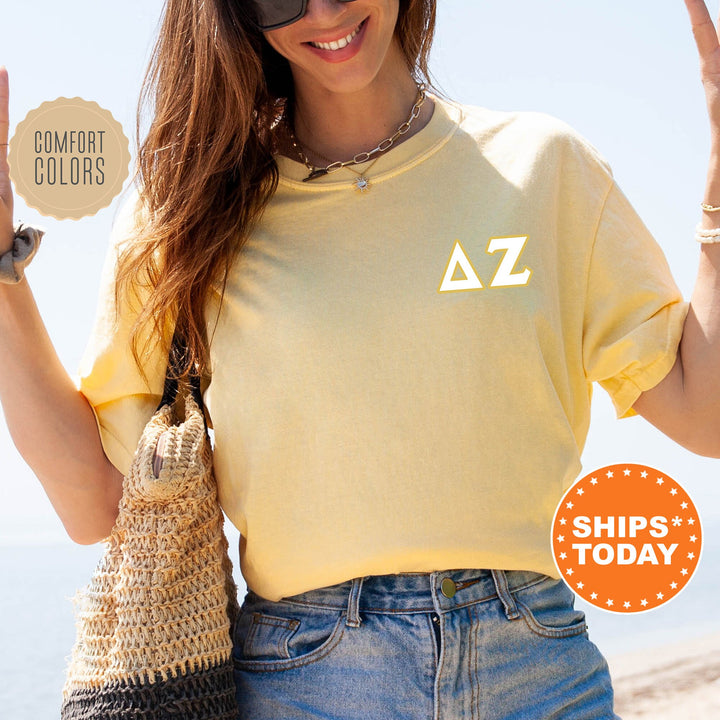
(362, 182)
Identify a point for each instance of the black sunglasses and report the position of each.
(274, 14)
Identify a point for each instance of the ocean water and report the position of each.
(37, 626)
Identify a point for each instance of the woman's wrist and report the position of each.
(7, 235)
(25, 244)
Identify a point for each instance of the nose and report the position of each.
(320, 11)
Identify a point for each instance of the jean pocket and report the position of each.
(285, 636)
(268, 637)
(548, 609)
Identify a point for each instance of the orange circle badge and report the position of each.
(626, 538)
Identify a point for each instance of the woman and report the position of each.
(338, 314)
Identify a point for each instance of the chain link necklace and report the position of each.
(361, 183)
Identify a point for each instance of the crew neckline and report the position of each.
(440, 128)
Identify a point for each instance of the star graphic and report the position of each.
(569, 571)
(593, 596)
(580, 585)
(569, 505)
(610, 473)
(676, 521)
(660, 481)
(626, 604)
(563, 521)
(673, 491)
(580, 491)
(693, 538)
(609, 603)
(626, 472)
(643, 474)
(563, 556)
(691, 556)
(673, 586)
(683, 506)
(660, 596)
(691, 521)
(643, 602)
(684, 571)
(561, 538)
(593, 481)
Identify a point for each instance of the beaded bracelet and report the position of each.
(26, 242)
(707, 236)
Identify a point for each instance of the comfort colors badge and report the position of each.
(69, 158)
(627, 538)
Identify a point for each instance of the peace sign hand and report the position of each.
(6, 195)
(708, 45)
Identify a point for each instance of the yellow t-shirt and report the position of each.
(401, 378)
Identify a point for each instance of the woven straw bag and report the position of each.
(154, 624)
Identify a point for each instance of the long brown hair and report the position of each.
(214, 89)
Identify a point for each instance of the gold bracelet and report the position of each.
(710, 208)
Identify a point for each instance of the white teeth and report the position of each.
(337, 44)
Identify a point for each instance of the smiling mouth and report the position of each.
(340, 43)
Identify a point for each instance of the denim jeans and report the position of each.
(447, 645)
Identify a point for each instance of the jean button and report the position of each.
(448, 587)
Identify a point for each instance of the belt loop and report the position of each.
(353, 611)
(508, 601)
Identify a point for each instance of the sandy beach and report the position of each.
(674, 682)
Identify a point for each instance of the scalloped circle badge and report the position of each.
(69, 158)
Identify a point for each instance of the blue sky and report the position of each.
(622, 73)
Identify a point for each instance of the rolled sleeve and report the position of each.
(634, 311)
(121, 398)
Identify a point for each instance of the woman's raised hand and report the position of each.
(708, 45)
(51, 423)
(685, 404)
(6, 196)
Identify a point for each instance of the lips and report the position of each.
(337, 44)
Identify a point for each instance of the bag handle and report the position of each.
(176, 364)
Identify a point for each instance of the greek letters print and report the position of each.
(505, 275)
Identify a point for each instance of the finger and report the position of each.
(4, 112)
(706, 37)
